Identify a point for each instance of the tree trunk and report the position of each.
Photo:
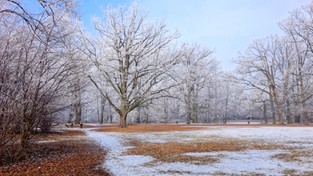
(138, 118)
(305, 114)
(146, 115)
(226, 109)
(188, 114)
(123, 117)
(265, 113)
(165, 109)
(195, 106)
(188, 105)
(77, 107)
(101, 115)
(303, 103)
(25, 135)
(195, 112)
(188, 117)
(110, 116)
(78, 111)
(24, 139)
(123, 112)
(102, 104)
(77, 103)
(281, 114)
(273, 110)
(195, 116)
(289, 115)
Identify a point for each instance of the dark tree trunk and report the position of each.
(265, 112)
(102, 110)
(188, 117)
(24, 139)
(123, 117)
(78, 111)
(289, 115)
(110, 116)
(138, 119)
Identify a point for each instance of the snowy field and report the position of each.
(293, 156)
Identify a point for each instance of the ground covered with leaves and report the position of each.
(65, 153)
(147, 128)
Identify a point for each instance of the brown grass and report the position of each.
(174, 151)
(148, 128)
(295, 155)
(177, 127)
(63, 135)
(67, 156)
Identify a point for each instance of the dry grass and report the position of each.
(68, 155)
(294, 155)
(148, 128)
(64, 135)
(176, 127)
(175, 151)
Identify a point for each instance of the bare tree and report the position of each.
(299, 28)
(35, 65)
(192, 76)
(132, 50)
(267, 68)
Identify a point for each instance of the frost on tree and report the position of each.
(34, 65)
(133, 59)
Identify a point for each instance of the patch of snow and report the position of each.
(201, 154)
(116, 162)
(107, 140)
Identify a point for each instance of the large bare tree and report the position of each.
(132, 51)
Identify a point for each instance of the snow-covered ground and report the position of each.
(230, 163)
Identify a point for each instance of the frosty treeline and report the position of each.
(279, 69)
(132, 69)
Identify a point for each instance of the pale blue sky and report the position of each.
(228, 26)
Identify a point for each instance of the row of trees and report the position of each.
(136, 70)
(279, 68)
(138, 65)
(141, 72)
